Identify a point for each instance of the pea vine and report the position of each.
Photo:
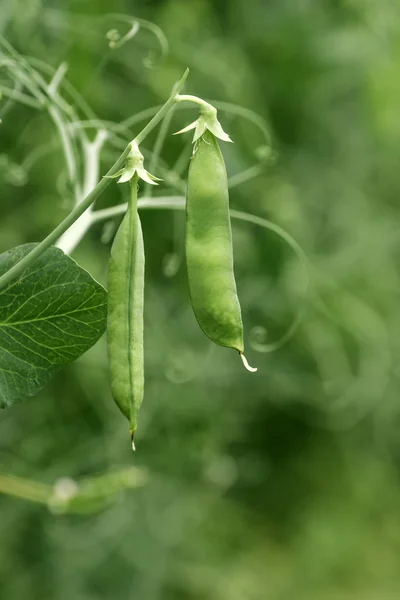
(51, 309)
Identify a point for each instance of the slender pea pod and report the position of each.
(209, 254)
(125, 313)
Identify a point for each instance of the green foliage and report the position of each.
(279, 485)
(49, 316)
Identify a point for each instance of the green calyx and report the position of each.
(133, 166)
(207, 121)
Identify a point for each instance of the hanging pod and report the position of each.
(125, 313)
(209, 254)
(126, 297)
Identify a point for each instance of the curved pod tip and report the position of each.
(246, 364)
(133, 443)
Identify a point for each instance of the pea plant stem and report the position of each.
(15, 94)
(194, 99)
(78, 210)
(84, 494)
(172, 202)
(173, 99)
(91, 151)
(24, 488)
(161, 136)
(17, 269)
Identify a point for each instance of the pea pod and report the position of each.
(209, 255)
(125, 313)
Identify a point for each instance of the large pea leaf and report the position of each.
(49, 316)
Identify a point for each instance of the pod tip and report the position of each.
(246, 364)
(133, 443)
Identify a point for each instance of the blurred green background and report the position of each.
(283, 485)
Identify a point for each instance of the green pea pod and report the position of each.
(209, 255)
(125, 313)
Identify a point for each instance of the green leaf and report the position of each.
(49, 316)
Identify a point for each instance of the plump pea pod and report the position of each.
(209, 255)
(125, 313)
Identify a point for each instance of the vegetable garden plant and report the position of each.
(51, 309)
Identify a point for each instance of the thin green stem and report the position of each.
(245, 175)
(173, 202)
(163, 110)
(83, 497)
(162, 134)
(24, 488)
(91, 152)
(57, 78)
(66, 145)
(15, 94)
(183, 159)
(24, 72)
(77, 98)
(140, 116)
(17, 269)
(196, 100)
